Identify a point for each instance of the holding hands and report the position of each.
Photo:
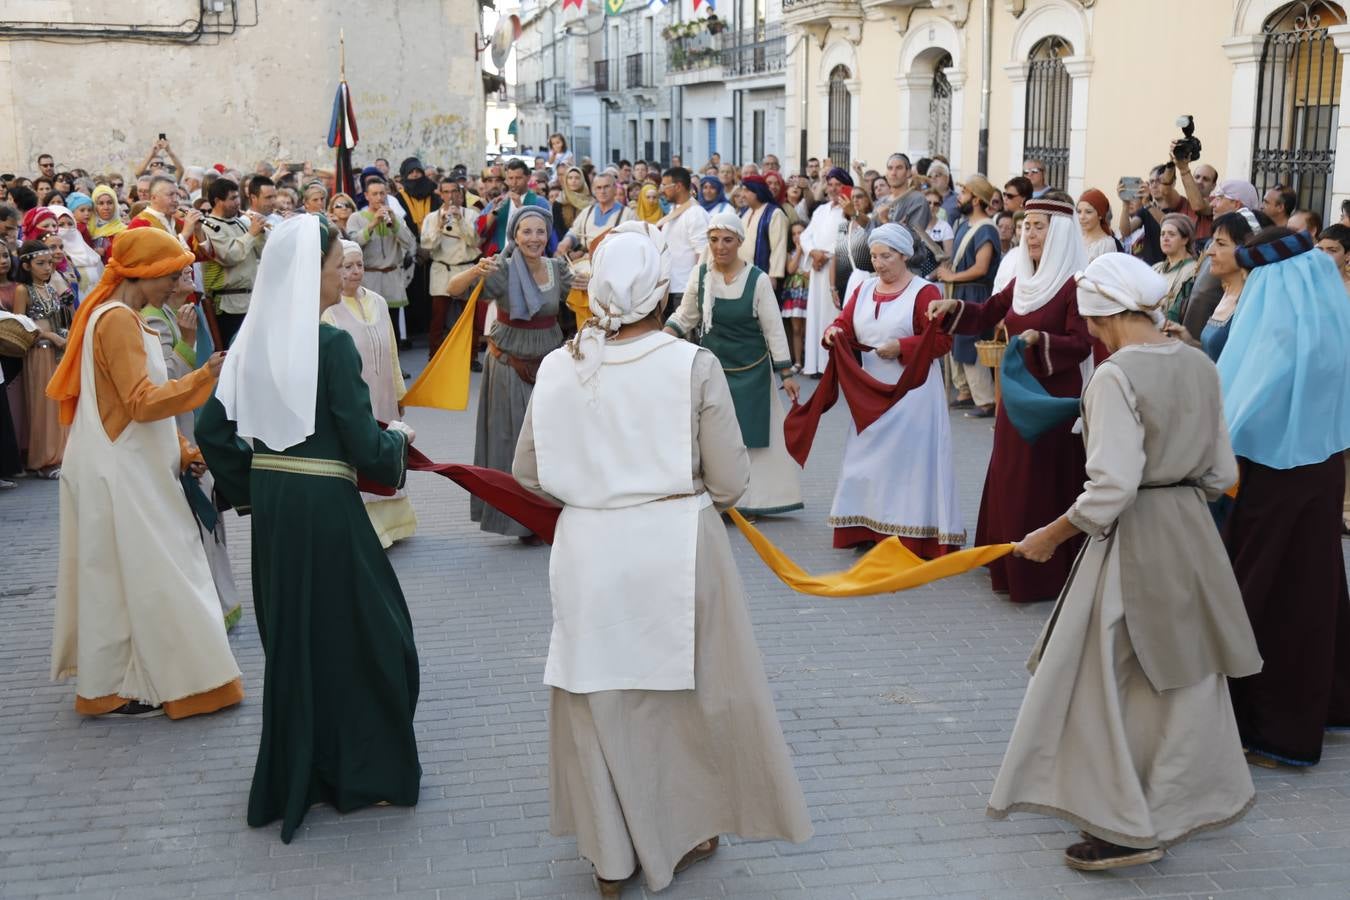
(940, 308)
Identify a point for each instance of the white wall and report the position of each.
(263, 92)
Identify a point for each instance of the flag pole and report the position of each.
(342, 54)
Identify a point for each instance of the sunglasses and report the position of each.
(157, 165)
(1031, 171)
(1011, 195)
(117, 184)
(342, 206)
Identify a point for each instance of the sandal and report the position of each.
(698, 854)
(613, 888)
(1097, 855)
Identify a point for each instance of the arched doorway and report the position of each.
(1049, 106)
(940, 110)
(1298, 103)
(840, 118)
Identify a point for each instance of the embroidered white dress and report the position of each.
(898, 476)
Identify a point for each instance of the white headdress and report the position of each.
(630, 275)
(1062, 256)
(1117, 282)
(271, 374)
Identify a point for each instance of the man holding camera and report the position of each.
(234, 244)
(385, 240)
(451, 240)
(1197, 184)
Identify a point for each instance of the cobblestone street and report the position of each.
(897, 710)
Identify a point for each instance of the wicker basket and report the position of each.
(991, 352)
(15, 339)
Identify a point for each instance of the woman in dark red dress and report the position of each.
(1030, 484)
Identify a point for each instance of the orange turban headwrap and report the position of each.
(137, 253)
(1103, 207)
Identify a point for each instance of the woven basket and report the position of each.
(15, 340)
(991, 352)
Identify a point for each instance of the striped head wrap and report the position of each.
(1050, 207)
(1287, 247)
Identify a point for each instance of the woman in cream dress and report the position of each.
(662, 731)
(1127, 730)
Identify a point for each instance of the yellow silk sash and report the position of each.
(888, 567)
(444, 383)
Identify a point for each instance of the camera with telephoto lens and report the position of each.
(1188, 148)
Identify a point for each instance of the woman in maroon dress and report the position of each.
(1029, 484)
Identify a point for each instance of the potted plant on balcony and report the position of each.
(668, 32)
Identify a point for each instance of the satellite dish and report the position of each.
(508, 31)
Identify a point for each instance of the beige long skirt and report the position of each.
(641, 777)
(46, 435)
(775, 478)
(1097, 746)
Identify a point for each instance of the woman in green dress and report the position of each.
(733, 302)
(341, 678)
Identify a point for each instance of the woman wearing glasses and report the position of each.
(340, 209)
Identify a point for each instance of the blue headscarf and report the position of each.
(1285, 372)
(75, 199)
(763, 248)
(360, 197)
(717, 201)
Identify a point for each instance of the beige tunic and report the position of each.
(1097, 742)
(641, 777)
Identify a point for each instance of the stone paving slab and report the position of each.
(897, 710)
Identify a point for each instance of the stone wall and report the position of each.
(264, 91)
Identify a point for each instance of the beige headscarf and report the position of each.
(630, 276)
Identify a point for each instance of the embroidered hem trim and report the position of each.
(303, 465)
(909, 531)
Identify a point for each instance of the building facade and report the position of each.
(236, 82)
(728, 69)
(1091, 87)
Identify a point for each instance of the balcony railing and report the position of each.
(637, 70)
(750, 51)
(754, 51)
(606, 76)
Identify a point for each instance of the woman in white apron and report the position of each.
(361, 313)
(141, 629)
(898, 477)
(662, 731)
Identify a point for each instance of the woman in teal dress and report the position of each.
(341, 678)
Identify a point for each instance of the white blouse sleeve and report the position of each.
(771, 324)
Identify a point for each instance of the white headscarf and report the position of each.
(727, 221)
(350, 247)
(1117, 282)
(630, 275)
(723, 221)
(85, 258)
(271, 374)
(894, 236)
(1062, 257)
